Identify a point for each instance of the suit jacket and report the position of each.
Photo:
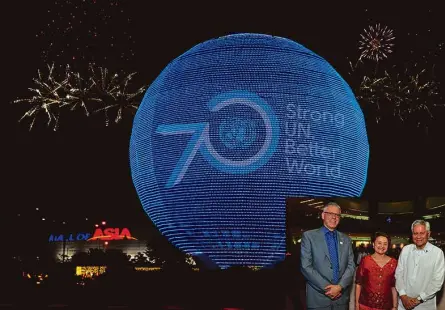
(316, 267)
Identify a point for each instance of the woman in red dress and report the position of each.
(375, 281)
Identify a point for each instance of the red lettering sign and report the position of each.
(111, 234)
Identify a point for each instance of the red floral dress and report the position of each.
(376, 282)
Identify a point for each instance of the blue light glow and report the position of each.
(230, 129)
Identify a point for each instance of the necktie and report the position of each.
(332, 247)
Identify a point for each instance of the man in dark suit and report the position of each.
(327, 263)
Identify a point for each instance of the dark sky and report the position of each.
(82, 170)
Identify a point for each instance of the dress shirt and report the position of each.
(420, 273)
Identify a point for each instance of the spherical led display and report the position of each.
(231, 128)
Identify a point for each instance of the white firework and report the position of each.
(123, 100)
(112, 93)
(74, 92)
(78, 92)
(47, 99)
(376, 43)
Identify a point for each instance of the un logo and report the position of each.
(237, 134)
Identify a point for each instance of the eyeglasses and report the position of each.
(419, 233)
(336, 215)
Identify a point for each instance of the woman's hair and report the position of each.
(382, 234)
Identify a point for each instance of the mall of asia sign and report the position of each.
(106, 234)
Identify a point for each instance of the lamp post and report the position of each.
(63, 249)
(64, 230)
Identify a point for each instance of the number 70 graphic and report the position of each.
(200, 138)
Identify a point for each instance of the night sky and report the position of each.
(80, 174)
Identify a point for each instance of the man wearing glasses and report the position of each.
(420, 271)
(327, 263)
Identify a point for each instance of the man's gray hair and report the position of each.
(331, 204)
(421, 222)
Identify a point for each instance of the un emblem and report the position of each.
(234, 133)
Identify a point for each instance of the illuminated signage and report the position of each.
(147, 268)
(155, 269)
(90, 271)
(111, 234)
(70, 237)
(106, 234)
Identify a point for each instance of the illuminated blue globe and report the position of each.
(230, 129)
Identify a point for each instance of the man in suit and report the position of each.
(327, 263)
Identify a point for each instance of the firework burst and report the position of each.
(370, 94)
(47, 98)
(73, 91)
(78, 92)
(410, 95)
(123, 100)
(376, 42)
(112, 93)
(413, 95)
